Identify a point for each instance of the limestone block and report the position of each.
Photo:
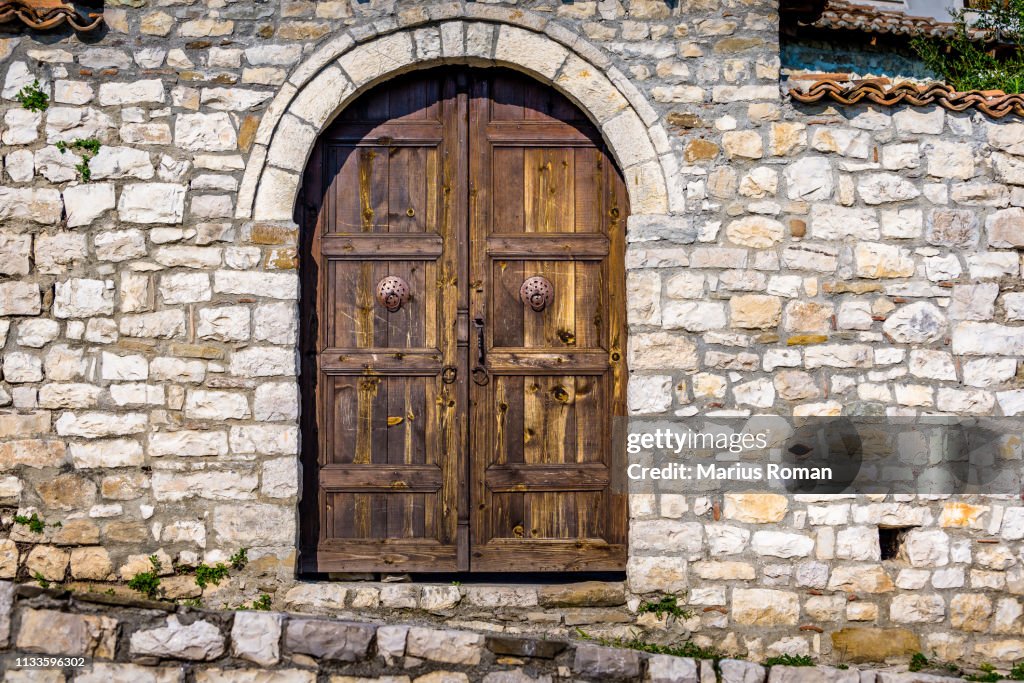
(162, 325)
(188, 443)
(763, 607)
(205, 132)
(152, 203)
(263, 361)
(917, 323)
(276, 401)
(255, 637)
(755, 311)
(121, 162)
(51, 563)
(449, 647)
(1005, 228)
(202, 404)
(917, 609)
(656, 574)
(606, 662)
(254, 524)
(264, 439)
(861, 579)
(21, 127)
(137, 92)
(755, 508)
(68, 635)
(42, 206)
(757, 232)
(809, 179)
(197, 641)
(743, 144)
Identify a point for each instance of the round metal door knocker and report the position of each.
(537, 292)
(392, 293)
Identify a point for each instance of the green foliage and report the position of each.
(148, 583)
(967, 62)
(240, 559)
(685, 649)
(43, 583)
(988, 674)
(261, 603)
(34, 523)
(33, 98)
(193, 602)
(667, 605)
(918, 661)
(789, 660)
(89, 147)
(205, 574)
(843, 667)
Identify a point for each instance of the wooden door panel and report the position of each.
(389, 440)
(384, 188)
(573, 321)
(359, 322)
(541, 465)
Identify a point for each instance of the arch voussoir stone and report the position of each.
(354, 61)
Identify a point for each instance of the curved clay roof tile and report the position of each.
(46, 14)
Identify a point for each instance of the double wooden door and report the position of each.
(450, 421)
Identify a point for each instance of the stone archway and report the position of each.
(344, 68)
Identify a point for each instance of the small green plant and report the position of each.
(789, 660)
(41, 580)
(456, 583)
(193, 602)
(842, 667)
(918, 662)
(33, 98)
(684, 649)
(205, 574)
(985, 50)
(1017, 672)
(239, 559)
(89, 147)
(261, 603)
(667, 605)
(34, 523)
(988, 674)
(148, 583)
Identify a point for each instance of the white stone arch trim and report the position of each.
(355, 61)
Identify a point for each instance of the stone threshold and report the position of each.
(126, 639)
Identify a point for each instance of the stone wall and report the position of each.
(131, 641)
(807, 261)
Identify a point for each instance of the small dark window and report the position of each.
(890, 540)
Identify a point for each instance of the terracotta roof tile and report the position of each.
(46, 14)
(993, 103)
(872, 19)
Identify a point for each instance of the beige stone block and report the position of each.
(865, 644)
(59, 633)
(757, 508)
(763, 607)
(755, 311)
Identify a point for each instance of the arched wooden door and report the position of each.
(466, 430)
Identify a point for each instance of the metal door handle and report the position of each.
(479, 373)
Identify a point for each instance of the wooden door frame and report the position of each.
(310, 445)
